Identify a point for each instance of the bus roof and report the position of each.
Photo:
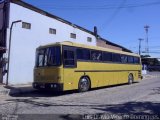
(68, 43)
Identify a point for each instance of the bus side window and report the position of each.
(107, 56)
(69, 57)
(130, 59)
(136, 60)
(123, 58)
(83, 54)
(96, 55)
(116, 58)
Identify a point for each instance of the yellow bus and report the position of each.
(70, 66)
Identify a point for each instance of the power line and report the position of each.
(108, 21)
(152, 52)
(154, 46)
(103, 7)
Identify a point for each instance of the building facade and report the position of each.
(30, 28)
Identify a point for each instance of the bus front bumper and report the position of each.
(48, 86)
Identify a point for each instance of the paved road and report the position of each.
(138, 98)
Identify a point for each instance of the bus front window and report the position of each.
(48, 57)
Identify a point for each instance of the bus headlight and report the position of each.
(53, 85)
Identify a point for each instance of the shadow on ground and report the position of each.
(47, 93)
(43, 93)
(138, 108)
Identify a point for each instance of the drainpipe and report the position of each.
(9, 49)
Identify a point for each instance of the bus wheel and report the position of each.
(130, 79)
(84, 84)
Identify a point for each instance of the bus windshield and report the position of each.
(50, 56)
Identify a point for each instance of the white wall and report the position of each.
(24, 41)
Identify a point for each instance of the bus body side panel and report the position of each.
(73, 75)
(100, 74)
(122, 74)
(97, 73)
(69, 77)
(88, 69)
(95, 77)
(104, 74)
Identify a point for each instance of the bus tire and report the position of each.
(130, 79)
(84, 84)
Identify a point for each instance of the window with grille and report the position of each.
(89, 39)
(72, 35)
(26, 25)
(52, 31)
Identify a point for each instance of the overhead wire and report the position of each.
(108, 21)
(98, 7)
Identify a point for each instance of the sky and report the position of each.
(119, 21)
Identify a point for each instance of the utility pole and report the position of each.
(146, 27)
(140, 41)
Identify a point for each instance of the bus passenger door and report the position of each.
(69, 64)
